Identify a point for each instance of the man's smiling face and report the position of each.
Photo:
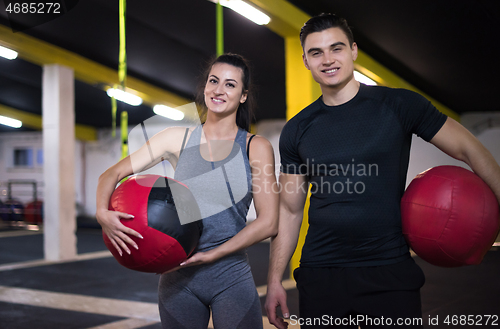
(330, 58)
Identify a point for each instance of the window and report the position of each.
(23, 158)
(39, 157)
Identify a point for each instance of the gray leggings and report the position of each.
(226, 288)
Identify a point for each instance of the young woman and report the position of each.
(217, 277)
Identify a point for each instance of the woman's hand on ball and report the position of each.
(118, 233)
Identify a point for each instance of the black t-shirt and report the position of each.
(356, 158)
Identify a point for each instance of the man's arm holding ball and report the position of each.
(456, 141)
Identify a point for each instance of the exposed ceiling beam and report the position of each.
(41, 53)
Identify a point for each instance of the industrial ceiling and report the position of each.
(446, 48)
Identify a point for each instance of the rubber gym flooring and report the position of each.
(96, 292)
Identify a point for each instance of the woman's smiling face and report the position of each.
(224, 88)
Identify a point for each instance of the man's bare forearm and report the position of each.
(283, 245)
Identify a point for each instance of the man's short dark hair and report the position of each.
(324, 22)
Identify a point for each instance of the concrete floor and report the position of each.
(96, 292)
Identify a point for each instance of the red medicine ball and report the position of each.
(449, 216)
(166, 242)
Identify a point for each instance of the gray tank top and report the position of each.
(222, 189)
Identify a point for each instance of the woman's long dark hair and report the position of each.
(245, 112)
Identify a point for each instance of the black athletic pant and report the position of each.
(370, 297)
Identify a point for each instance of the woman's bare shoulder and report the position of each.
(259, 146)
(259, 140)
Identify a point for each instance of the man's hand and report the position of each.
(276, 296)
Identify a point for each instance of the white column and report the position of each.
(58, 115)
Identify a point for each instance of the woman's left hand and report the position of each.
(197, 259)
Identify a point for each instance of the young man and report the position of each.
(353, 146)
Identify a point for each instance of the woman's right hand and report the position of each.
(160, 144)
(117, 233)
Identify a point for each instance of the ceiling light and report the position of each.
(8, 53)
(168, 112)
(10, 122)
(364, 79)
(124, 96)
(245, 9)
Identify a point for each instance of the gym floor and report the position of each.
(96, 292)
